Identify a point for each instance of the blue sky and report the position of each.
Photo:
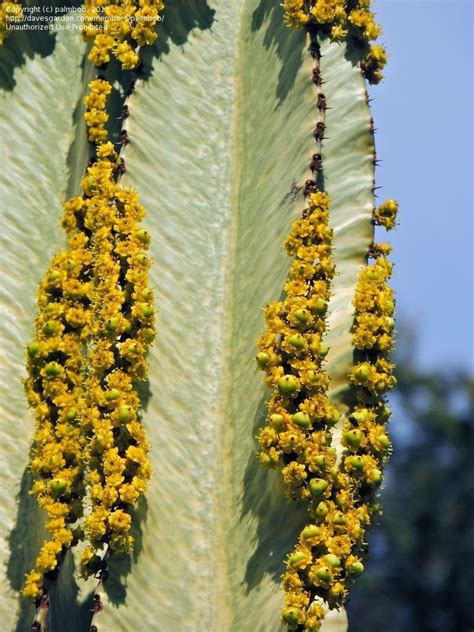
(424, 113)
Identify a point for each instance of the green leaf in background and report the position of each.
(220, 127)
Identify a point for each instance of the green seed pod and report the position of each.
(385, 413)
(320, 307)
(50, 328)
(53, 276)
(360, 415)
(262, 359)
(323, 350)
(277, 422)
(317, 486)
(310, 531)
(295, 559)
(266, 460)
(383, 441)
(143, 236)
(141, 259)
(389, 306)
(291, 616)
(33, 349)
(356, 569)
(375, 477)
(53, 369)
(146, 309)
(339, 519)
(297, 341)
(373, 275)
(149, 334)
(332, 560)
(112, 324)
(352, 438)
(58, 487)
(112, 395)
(302, 420)
(71, 414)
(69, 265)
(362, 372)
(89, 185)
(355, 463)
(288, 384)
(302, 316)
(323, 574)
(146, 294)
(320, 461)
(125, 414)
(322, 510)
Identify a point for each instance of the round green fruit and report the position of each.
(296, 341)
(352, 438)
(317, 486)
(143, 236)
(356, 569)
(288, 384)
(323, 574)
(53, 369)
(311, 531)
(362, 372)
(320, 307)
(58, 487)
(50, 328)
(125, 414)
(301, 419)
(112, 395)
(355, 463)
(33, 349)
(323, 350)
(277, 422)
(322, 510)
(295, 559)
(291, 615)
(302, 316)
(332, 560)
(262, 359)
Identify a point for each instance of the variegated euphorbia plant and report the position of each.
(229, 129)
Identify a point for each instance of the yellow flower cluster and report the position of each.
(93, 330)
(54, 390)
(119, 27)
(10, 12)
(329, 552)
(122, 329)
(292, 351)
(96, 115)
(386, 214)
(339, 19)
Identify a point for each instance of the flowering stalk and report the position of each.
(329, 554)
(118, 28)
(292, 352)
(339, 493)
(123, 328)
(94, 327)
(341, 19)
(54, 390)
